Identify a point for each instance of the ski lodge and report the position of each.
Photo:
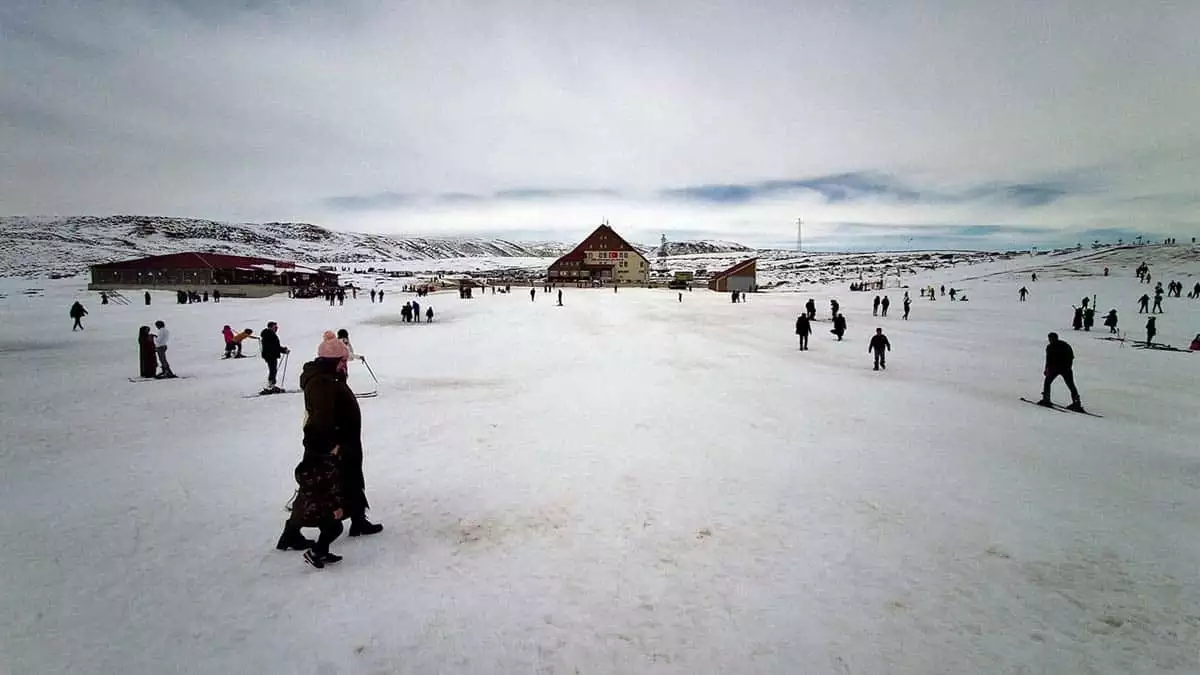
(741, 277)
(233, 275)
(602, 258)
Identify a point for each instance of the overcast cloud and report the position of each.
(877, 122)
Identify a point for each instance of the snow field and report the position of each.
(624, 484)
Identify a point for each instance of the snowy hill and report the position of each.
(39, 246)
(705, 246)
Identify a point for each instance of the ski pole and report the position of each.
(370, 371)
(283, 371)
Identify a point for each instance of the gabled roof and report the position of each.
(591, 243)
(196, 260)
(744, 266)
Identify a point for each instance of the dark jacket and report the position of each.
(803, 327)
(333, 418)
(839, 323)
(77, 311)
(879, 343)
(270, 349)
(1059, 356)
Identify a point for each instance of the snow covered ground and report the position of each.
(627, 484)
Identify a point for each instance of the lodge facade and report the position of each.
(603, 258)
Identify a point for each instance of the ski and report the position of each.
(274, 393)
(367, 394)
(1061, 408)
(159, 379)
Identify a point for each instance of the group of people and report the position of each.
(330, 482)
(189, 297)
(411, 312)
(152, 352)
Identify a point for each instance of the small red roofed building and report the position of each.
(602, 258)
(741, 277)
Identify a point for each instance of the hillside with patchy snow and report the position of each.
(39, 246)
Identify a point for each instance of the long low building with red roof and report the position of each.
(604, 257)
(741, 277)
(233, 275)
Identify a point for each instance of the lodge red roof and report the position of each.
(613, 242)
(192, 261)
(733, 271)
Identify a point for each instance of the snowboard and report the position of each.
(1061, 408)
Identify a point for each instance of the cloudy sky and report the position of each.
(891, 124)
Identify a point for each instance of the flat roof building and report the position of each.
(234, 275)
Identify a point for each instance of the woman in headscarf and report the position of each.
(147, 356)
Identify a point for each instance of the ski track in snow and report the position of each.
(624, 484)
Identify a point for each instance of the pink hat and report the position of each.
(332, 348)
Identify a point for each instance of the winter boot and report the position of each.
(1045, 403)
(292, 540)
(362, 526)
(1076, 406)
(314, 559)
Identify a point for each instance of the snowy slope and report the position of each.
(625, 484)
(37, 246)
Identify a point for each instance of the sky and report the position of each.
(879, 124)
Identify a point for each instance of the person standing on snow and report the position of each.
(811, 308)
(1077, 320)
(161, 339)
(1110, 320)
(1060, 360)
(1151, 330)
(880, 346)
(533, 293)
(907, 306)
(839, 326)
(147, 359)
(560, 297)
(1143, 304)
(1023, 292)
(77, 313)
(834, 307)
(271, 351)
(1089, 318)
(1158, 293)
(147, 300)
(429, 314)
(875, 307)
(803, 330)
(883, 305)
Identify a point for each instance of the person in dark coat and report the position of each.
(271, 351)
(1151, 330)
(875, 307)
(884, 304)
(879, 346)
(834, 307)
(803, 330)
(839, 326)
(147, 300)
(1158, 293)
(334, 417)
(1089, 318)
(104, 298)
(1060, 360)
(77, 313)
(907, 306)
(1143, 304)
(1110, 320)
(147, 356)
(1077, 320)
(811, 308)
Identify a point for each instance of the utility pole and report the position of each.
(799, 235)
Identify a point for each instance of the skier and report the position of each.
(271, 351)
(907, 306)
(1110, 320)
(1089, 318)
(230, 345)
(879, 345)
(1023, 292)
(429, 313)
(1151, 330)
(147, 300)
(246, 334)
(161, 339)
(344, 336)
(803, 330)
(839, 326)
(883, 306)
(77, 313)
(533, 293)
(560, 297)
(1143, 303)
(1060, 360)
(811, 308)
(875, 307)
(147, 361)
(1158, 293)
(1077, 320)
